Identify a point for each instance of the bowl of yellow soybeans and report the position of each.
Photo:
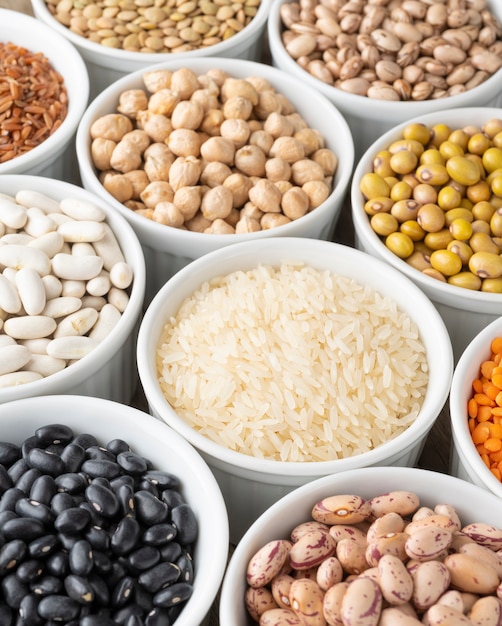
(202, 154)
(426, 197)
(476, 411)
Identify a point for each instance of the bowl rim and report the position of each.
(467, 369)
(256, 535)
(234, 67)
(133, 253)
(77, 102)
(443, 292)
(352, 102)
(265, 467)
(119, 55)
(205, 587)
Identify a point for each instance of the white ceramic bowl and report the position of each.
(168, 249)
(148, 437)
(109, 371)
(369, 118)
(465, 312)
(465, 461)
(472, 504)
(55, 157)
(106, 65)
(250, 484)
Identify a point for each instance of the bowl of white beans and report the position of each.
(369, 557)
(72, 290)
(201, 154)
(475, 409)
(286, 359)
(136, 525)
(382, 64)
(44, 93)
(115, 42)
(439, 219)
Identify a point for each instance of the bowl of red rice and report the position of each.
(287, 359)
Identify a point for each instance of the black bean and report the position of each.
(149, 509)
(81, 558)
(72, 520)
(122, 591)
(9, 499)
(145, 485)
(28, 610)
(183, 518)
(170, 551)
(68, 540)
(158, 617)
(25, 507)
(17, 469)
(99, 588)
(79, 589)
(98, 537)
(143, 598)
(5, 479)
(158, 534)
(29, 570)
(9, 453)
(62, 501)
(13, 590)
(4, 516)
(46, 462)
(43, 546)
(126, 536)
(86, 440)
(101, 468)
(25, 482)
(57, 563)
(125, 496)
(47, 586)
(43, 489)
(173, 595)
(164, 480)
(71, 482)
(185, 563)
(159, 576)
(28, 444)
(144, 558)
(73, 456)
(102, 562)
(123, 614)
(123, 479)
(102, 499)
(117, 446)
(26, 528)
(59, 608)
(132, 462)
(172, 498)
(99, 453)
(12, 553)
(97, 620)
(53, 433)
(118, 570)
(6, 615)
(96, 518)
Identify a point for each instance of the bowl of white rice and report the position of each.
(287, 359)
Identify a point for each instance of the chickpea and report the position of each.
(216, 203)
(327, 159)
(268, 102)
(305, 170)
(118, 186)
(287, 148)
(295, 203)
(237, 108)
(239, 185)
(247, 225)
(168, 213)
(158, 159)
(266, 196)
(155, 80)
(139, 181)
(318, 192)
(155, 192)
(250, 160)
(214, 173)
(219, 227)
(111, 126)
(125, 157)
(157, 127)
(184, 82)
(198, 223)
(187, 200)
(273, 220)
(279, 126)
(163, 102)
(232, 87)
(236, 130)
(218, 149)
(187, 115)
(184, 172)
(207, 98)
(262, 139)
(132, 101)
(101, 152)
(277, 169)
(211, 124)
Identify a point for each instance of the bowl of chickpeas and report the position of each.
(115, 39)
(382, 63)
(200, 155)
(426, 198)
(44, 92)
(476, 411)
(351, 548)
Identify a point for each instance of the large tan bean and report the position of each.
(469, 574)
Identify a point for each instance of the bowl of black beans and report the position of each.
(107, 516)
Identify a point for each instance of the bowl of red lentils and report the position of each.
(426, 198)
(117, 38)
(44, 89)
(382, 63)
(476, 411)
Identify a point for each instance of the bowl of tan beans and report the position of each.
(384, 62)
(437, 215)
(200, 155)
(117, 38)
(44, 89)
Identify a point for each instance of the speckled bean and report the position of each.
(345, 509)
(267, 563)
(401, 502)
(311, 549)
(361, 603)
(396, 582)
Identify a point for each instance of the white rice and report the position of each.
(292, 363)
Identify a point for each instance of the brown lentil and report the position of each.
(404, 50)
(33, 100)
(163, 26)
(450, 228)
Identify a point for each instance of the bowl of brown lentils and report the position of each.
(117, 38)
(200, 155)
(426, 197)
(382, 62)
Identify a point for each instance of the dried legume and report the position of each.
(485, 410)
(33, 100)
(211, 153)
(383, 560)
(406, 50)
(160, 27)
(442, 215)
(64, 284)
(91, 534)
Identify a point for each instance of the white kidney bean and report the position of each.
(57, 298)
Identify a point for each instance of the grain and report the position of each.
(292, 364)
(33, 100)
